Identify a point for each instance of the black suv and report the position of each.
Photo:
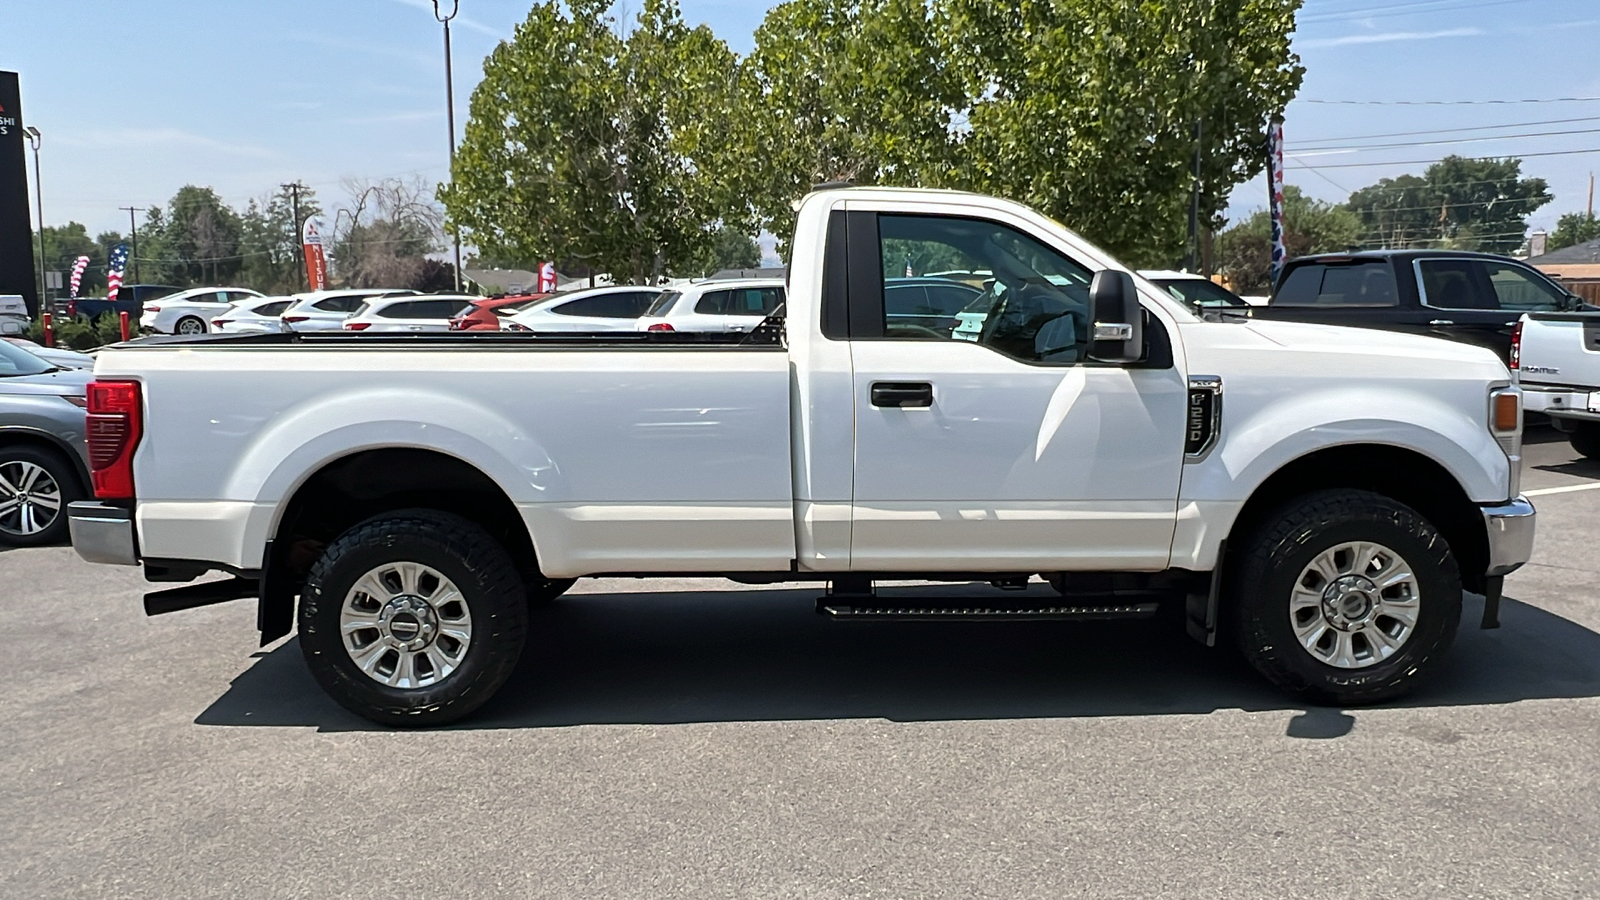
(1472, 297)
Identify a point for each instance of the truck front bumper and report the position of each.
(102, 533)
(1510, 529)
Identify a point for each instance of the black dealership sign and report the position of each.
(16, 231)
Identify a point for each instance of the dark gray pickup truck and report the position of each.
(1471, 297)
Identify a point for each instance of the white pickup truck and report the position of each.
(1557, 357)
(1319, 495)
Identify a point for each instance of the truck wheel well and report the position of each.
(357, 487)
(1394, 472)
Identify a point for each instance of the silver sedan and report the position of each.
(44, 463)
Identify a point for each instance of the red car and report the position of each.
(484, 315)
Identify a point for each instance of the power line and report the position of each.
(1429, 162)
(1448, 102)
(1364, 137)
(1363, 148)
(1391, 11)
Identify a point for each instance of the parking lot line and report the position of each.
(1563, 490)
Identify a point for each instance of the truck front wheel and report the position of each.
(1345, 597)
(413, 618)
(1586, 440)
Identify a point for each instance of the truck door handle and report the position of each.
(902, 394)
(1438, 322)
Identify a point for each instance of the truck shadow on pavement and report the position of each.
(673, 658)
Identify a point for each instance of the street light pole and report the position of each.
(34, 140)
(450, 111)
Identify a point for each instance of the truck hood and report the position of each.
(1372, 342)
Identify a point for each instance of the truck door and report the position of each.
(992, 442)
(1479, 300)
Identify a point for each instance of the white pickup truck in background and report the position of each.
(1319, 495)
(1557, 356)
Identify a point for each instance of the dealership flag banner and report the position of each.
(316, 263)
(77, 275)
(114, 267)
(1275, 179)
(547, 278)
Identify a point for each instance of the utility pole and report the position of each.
(1591, 193)
(133, 231)
(1192, 256)
(34, 140)
(294, 190)
(450, 111)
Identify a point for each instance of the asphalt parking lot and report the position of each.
(709, 740)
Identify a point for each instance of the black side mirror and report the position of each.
(1118, 327)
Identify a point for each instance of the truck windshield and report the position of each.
(16, 361)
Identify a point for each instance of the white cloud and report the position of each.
(1388, 37)
(161, 137)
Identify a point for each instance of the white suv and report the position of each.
(327, 310)
(587, 311)
(187, 312)
(715, 306)
(408, 313)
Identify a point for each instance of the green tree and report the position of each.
(1458, 203)
(196, 242)
(1244, 252)
(731, 248)
(1091, 111)
(269, 240)
(845, 90)
(1573, 229)
(586, 145)
(63, 244)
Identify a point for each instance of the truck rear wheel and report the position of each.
(1345, 597)
(413, 618)
(1586, 440)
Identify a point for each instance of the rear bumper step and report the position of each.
(911, 609)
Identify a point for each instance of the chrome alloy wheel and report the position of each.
(405, 625)
(30, 499)
(1355, 605)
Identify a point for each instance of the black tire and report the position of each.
(60, 471)
(1586, 440)
(1276, 553)
(196, 325)
(460, 550)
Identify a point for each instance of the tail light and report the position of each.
(292, 319)
(152, 309)
(1516, 346)
(357, 326)
(218, 323)
(115, 424)
(457, 324)
(660, 326)
(514, 326)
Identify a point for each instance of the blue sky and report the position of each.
(135, 100)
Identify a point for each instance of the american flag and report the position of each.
(78, 266)
(910, 272)
(114, 267)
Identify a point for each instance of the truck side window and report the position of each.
(952, 278)
(1519, 289)
(1454, 284)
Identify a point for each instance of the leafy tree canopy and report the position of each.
(1244, 252)
(1458, 203)
(1573, 229)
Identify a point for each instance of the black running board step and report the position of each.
(914, 610)
(192, 596)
